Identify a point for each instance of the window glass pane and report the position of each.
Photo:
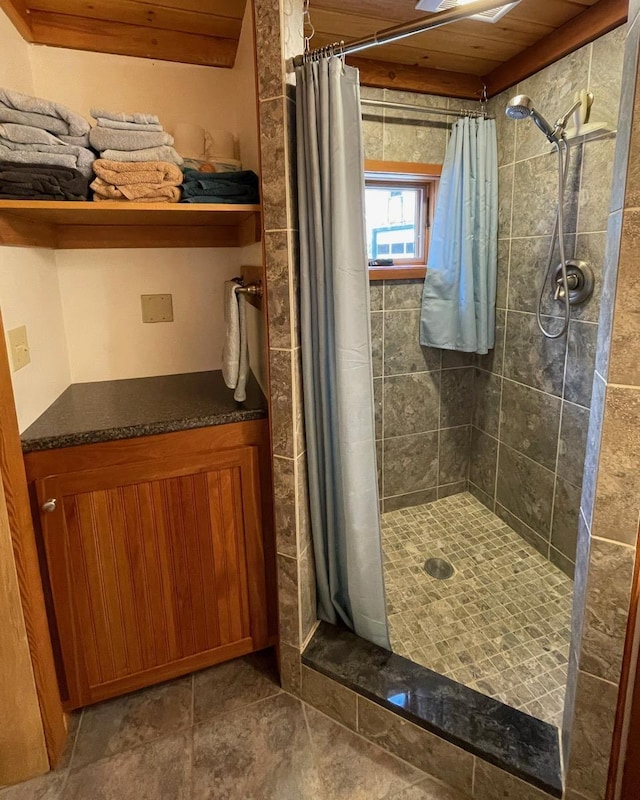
(393, 216)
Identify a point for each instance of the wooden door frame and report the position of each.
(624, 764)
(14, 483)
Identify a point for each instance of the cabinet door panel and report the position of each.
(156, 569)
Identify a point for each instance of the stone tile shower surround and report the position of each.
(532, 395)
(423, 399)
(423, 396)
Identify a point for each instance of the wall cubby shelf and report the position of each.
(87, 225)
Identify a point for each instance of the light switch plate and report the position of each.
(19, 347)
(157, 307)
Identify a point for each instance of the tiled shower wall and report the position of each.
(423, 395)
(423, 400)
(278, 31)
(533, 394)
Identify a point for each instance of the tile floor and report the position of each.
(227, 733)
(500, 624)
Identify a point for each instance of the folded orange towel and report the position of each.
(125, 173)
(137, 193)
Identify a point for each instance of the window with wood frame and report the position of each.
(399, 204)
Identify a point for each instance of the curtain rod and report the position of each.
(447, 112)
(405, 29)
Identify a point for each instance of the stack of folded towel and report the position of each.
(41, 182)
(137, 161)
(43, 133)
(220, 187)
(137, 181)
(131, 137)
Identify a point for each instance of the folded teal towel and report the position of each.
(220, 187)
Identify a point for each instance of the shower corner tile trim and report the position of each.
(420, 714)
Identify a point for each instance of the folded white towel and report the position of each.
(235, 353)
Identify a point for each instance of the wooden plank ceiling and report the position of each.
(453, 60)
(202, 32)
(459, 57)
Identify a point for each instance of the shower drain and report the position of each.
(438, 568)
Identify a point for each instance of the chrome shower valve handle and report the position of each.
(580, 282)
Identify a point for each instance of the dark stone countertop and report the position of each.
(87, 413)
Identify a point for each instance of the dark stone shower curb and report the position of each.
(499, 734)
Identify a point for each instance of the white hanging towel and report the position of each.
(235, 354)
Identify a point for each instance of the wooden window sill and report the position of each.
(399, 273)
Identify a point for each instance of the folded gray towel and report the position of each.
(103, 122)
(121, 116)
(27, 134)
(42, 113)
(150, 154)
(109, 139)
(79, 141)
(26, 157)
(50, 124)
(82, 159)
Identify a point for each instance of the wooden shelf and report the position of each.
(80, 225)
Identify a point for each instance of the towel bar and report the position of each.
(254, 289)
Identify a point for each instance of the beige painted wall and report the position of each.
(15, 67)
(30, 295)
(107, 339)
(247, 110)
(29, 292)
(204, 96)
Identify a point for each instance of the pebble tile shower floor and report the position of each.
(500, 624)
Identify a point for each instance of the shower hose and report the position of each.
(562, 149)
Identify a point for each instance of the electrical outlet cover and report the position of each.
(19, 347)
(157, 307)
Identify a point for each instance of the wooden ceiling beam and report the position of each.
(82, 33)
(389, 75)
(132, 12)
(18, 14)
(604, 16)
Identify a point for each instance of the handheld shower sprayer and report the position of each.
(521, 107)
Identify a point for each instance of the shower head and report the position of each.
(521, 107)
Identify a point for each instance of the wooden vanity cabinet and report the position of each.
(155, 552)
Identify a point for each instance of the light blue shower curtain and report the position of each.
(336, 350)
(459, 296)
